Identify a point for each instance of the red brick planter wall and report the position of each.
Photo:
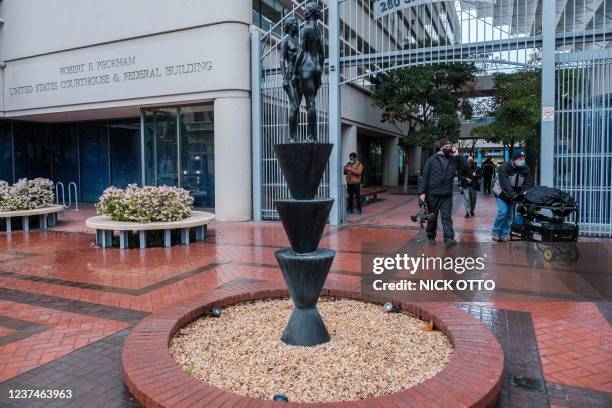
(471, 379)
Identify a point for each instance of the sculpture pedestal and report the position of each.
(304, 266)
(305, 275)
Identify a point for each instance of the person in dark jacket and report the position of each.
(513, 178)
(437, 189)
(488, 171)
(470, 184)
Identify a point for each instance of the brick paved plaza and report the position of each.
(67, 306)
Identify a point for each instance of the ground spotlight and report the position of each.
(389, 308)
(280, 398)
(214, 312)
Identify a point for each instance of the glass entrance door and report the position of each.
(197, 154)
(179, 150)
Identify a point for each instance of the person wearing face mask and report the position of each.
(513, 178)
(353, 171)
(437, 184)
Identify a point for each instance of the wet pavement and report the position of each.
(67, 305)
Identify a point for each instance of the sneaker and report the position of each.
(431, 241)
(450, 243)
(504, 238)
(349, 212)
(467, 215)
(358, 212)
(495, 237)
(472, 213)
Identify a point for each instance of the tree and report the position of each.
(425, 103)
(516, 108)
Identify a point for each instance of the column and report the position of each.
(335, 112)
(233, 169)
(256, 102)
(547, 145)
(391, 162)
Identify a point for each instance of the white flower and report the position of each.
(147, 204)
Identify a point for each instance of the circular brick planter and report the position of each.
(471, 379)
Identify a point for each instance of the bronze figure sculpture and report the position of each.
(309, 65)
(289, 50)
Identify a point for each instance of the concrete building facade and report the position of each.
(149, 92)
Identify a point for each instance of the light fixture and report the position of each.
(390, 308)
(280, 398)
(214, 312)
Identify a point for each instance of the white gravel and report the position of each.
(370, 354)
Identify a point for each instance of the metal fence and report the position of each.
(583, 136)
(570, 40)
(274, 118)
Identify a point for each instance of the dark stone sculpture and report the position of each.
(304, 265)
(289, 50)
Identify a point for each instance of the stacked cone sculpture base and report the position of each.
(304, 266)
(305, 275)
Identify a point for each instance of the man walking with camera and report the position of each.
(437, 189)
(353, 171)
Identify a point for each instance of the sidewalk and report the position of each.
(66, 306)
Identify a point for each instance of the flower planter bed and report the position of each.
(47, 217)
(105, 227)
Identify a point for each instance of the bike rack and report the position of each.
(57, 196)
(76, 196)
(63, 190)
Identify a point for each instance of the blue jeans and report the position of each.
(503, 219)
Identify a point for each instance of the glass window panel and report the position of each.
(197, 154)
(32, 150)
(65, 153)
(161, 148)
(6, 152)
(93, 143)
(125, 152)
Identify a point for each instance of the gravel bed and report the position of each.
(371, 353)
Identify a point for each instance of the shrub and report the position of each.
(144, 205)
(26, 194)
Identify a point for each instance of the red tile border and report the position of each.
(471, 379)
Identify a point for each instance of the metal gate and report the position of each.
(271, 106)
(367, 37)
(583, 136)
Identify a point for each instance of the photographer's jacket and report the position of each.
(353, 173)
(512, 180)
(439, 173)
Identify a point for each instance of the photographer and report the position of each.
(353, 170)
(437, 189)
(513, 178)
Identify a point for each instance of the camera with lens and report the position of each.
(350, 163)
(423, 216)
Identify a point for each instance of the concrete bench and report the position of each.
(47, 217)
(105, 227)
